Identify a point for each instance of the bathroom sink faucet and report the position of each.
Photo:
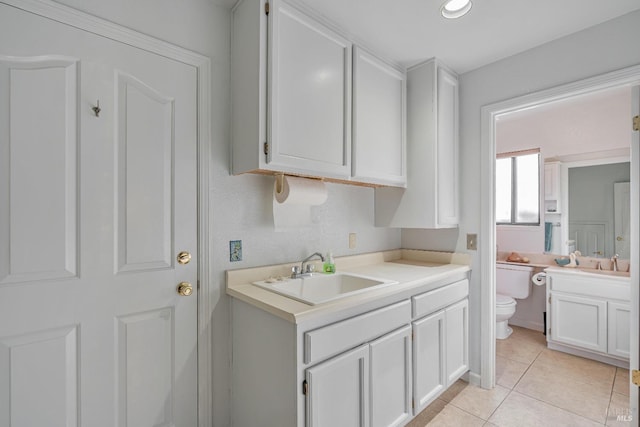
(305, 269)
(614, 262)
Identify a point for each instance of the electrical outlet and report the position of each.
(352, 240)
(235, 250)
(472, 242)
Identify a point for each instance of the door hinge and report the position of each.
(636, 123)
(413, 404)
(305, 387)
(266, 8)
(549, 299)
(635, 377)
(266, 148)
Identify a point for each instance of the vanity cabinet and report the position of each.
(364, 367)
(618, 333)
(431, 197)
(291, 92)
(580, 321)
(589, 313)
(379, 147)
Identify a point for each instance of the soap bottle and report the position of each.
(329, 265)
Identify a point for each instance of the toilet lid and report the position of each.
(504, 300)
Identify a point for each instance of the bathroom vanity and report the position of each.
(374, 358)
(589, 313)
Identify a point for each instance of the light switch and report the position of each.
(472, 242)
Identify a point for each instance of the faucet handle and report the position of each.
(310, 268)
(295, 271)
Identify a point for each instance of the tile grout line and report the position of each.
(555, 406)
(548, 403)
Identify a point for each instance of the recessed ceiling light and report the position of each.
(452, 9)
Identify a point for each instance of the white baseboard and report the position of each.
(524, 323)
(589, 355)
(472, 378)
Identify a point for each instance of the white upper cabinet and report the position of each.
(552, 187)
(431, 197)
(378, 121)
(293, 78)
(291, 93)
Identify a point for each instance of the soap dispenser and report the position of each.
(329, 265)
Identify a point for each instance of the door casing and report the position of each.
(629, 77)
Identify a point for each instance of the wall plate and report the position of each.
(235, 250)
(472, 242)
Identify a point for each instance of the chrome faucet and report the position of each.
(614, 262)
(305, 269)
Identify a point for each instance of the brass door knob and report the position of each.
(619, 238)
(183, 257)
(185, 289)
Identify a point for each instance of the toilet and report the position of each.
(512, 281)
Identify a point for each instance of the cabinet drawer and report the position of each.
(333, 339)
(609, 287)
(431, 301)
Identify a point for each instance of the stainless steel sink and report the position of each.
(319, 288)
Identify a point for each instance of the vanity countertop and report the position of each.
(412, 269)
(587, 264)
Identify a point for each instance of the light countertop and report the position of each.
(414, 270)
(541, 262)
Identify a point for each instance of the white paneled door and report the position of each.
(95, 206)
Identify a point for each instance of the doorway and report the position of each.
(629, 77)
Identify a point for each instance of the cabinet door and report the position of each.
(338, 390)
(447, 149)
(378, 121)
(429, 375)
(457, 348)
(579, 321)
(618, 326)
(391, 378)
(309, 119)
(430, 199)
(551, 181)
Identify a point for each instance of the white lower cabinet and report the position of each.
(619, 334)
(579, 321)
(440, 352)
(365, 369)
(338, 390)
(367, 386)
(457, 338)
(589, 314)
(391, 378)
(429, 376)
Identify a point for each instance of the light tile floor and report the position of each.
(535, 387)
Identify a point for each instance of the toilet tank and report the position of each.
(513, 280)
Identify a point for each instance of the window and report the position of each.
(518, 188)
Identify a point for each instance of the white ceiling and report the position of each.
(409, 31)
